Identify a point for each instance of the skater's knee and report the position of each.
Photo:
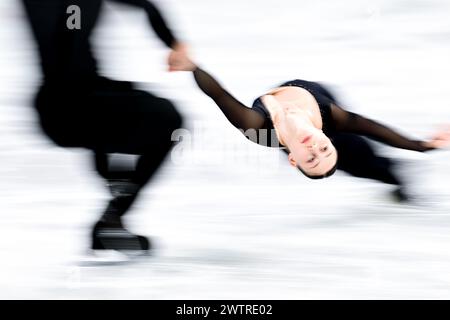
(173, 117)
(164, 114)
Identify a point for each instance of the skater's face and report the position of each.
(314, 153)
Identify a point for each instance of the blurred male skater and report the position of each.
(79, 108)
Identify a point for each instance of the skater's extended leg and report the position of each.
(357, 157)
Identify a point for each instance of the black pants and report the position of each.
(111, 118)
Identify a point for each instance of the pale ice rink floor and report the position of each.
(231, 219)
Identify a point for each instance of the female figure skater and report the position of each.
(318, 135)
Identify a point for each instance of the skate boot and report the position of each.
(399, 195)
(109, 233)
(111, 236)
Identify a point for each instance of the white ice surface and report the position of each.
(231, 219)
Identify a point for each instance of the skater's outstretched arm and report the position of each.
(347, 121)
(156, 20)
(238, 114)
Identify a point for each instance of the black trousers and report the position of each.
(111, 117)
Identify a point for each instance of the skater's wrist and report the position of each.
(179, 46)
(426, 146)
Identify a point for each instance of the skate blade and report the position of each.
(103, 258)
(106, 257)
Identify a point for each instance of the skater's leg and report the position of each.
(149, 163)
(357, 157)
(125, 184)
(144, 129)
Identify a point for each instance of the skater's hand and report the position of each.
(179, 59)
(440, 140)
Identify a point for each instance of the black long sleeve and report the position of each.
(156, 20)
(346, 121)
(238, 114)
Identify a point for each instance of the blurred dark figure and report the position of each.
(79, 108)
